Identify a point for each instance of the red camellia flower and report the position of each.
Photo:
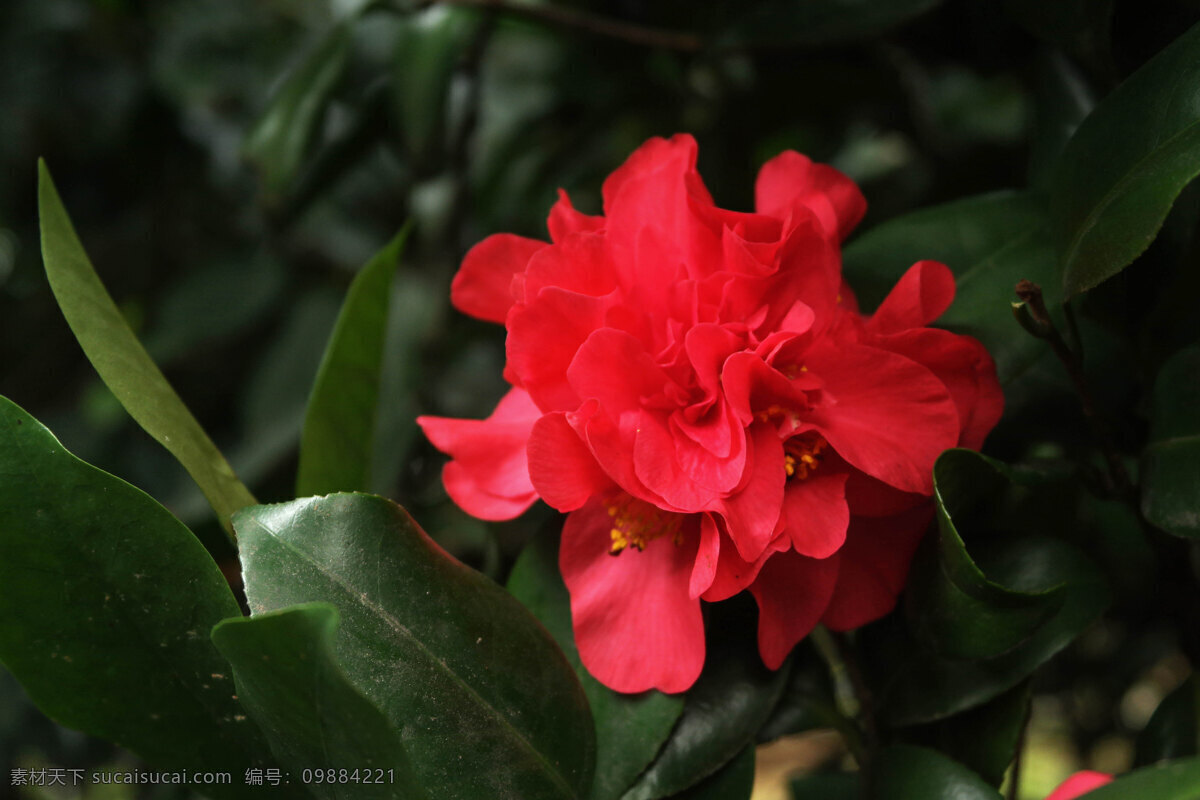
(697, 389)
(1079, 785)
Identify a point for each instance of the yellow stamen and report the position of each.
(637, 523)
(802, 454)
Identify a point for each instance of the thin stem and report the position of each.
(851, 693)
(585, 22)
(1032, 314)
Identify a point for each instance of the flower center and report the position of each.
(636, 523)
(802, 454)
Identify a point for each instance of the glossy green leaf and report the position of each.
(1171, 462)
(985, 738)
(918, 685)
(121, 360)
(630, 728)
(485, 702)
(336, 446)
(283, 135)
(734, 781)
(990, 242)
(953, 606)
(807, 701)
(1174, 780)
(1124, 167)
(1062, 100)
(290, 682)
(1174, 729)
(816, 22)
(105, 604)
(905, 772)
(733, 697)
(827, 786)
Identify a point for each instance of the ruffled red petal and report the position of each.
(483, 285)
(792, 593)
(918, 298)
(561, 467)
(790, 179)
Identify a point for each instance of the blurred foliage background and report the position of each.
(231, 165)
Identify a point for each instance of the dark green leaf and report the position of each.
(1124, 167)
(339, 425)
(630, 728)
(486, 704)
(733, 697)
(829, 786)
(920, 686)
(122, 361)
(1177, 780)
(904, 772)
(952, 605)
(283, 135)
(105, 604)
(734, 781)
(1173, 730)
(990, 242)
(1062, 100)
(1171, 462)
(807, 701)
(291, 683)
(815, 22)
(984, 739)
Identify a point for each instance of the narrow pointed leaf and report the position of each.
(283, 135)
(339, 424)
(122, 362)
(486, 704)
(289, 680)
(1124, 167)
(106, 632)
(1171, 462)
(630, 728)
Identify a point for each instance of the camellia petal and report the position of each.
(920, 297)
(792, 592)
(636, 626)
(817, 515)
(1080, 784)
(483, 285)
(790, 179)
(561, 467)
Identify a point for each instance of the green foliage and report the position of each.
(336, 447)
(1171, 461)
(85, 624)
(485, 703)
(1179, 780)
(1174, 730)
(905, 772)
(1124, 167)
(289, 680)
(122, 361)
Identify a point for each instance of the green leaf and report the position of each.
(733, 697)
(291, 683)
(734, 781)
(1174, 729)
(990, 242)
(904, 772)
(816, 22)
(1175, 780)
(985, 738)
(485, 702)
(952, 605)
(283, 135)
(827, 786)
(429, 47)
(121, 360)
(918, 685)
(1170, 472)
(807, 701)
(1124, 167)
(1062, 100)
(106, 632)
(336, 447)
(630, 728)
